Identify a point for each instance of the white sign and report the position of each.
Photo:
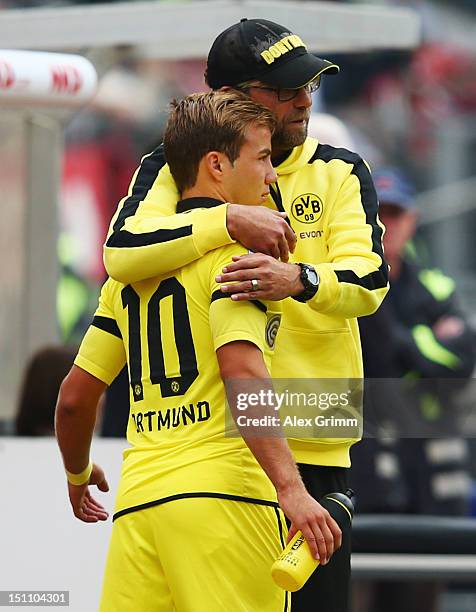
(33, 77)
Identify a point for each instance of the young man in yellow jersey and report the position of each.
(197, 525)
(337, 271)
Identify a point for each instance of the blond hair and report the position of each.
(204, 122)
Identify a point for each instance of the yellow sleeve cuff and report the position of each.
(328, 292)
(209, 229)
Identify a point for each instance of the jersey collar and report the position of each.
(191, 203)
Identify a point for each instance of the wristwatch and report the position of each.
(310, 280)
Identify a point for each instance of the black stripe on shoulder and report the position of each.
(164, 500)
(368, 195)
(127, 239)
(326, 153)
(107, 325)
(219, 295)
(146, 176)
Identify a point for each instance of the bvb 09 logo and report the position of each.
(307, 208)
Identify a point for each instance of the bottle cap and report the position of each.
(284, 579)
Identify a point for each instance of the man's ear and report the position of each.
(214, 164)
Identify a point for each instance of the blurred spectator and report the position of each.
(39, 391)
(402, 102)
(76, 296)
(419, 465)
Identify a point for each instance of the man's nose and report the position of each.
(271, 176)
(303, 98)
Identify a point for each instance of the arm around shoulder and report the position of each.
(147, 238)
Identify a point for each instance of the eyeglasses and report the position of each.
(284, 95)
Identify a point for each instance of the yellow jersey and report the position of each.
(167, 329)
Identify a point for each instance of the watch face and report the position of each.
(310, 281)
(312, 276)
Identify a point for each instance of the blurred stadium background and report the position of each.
(406, 94)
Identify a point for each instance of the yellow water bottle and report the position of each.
(296, 563)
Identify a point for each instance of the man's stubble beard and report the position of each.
(284, 138)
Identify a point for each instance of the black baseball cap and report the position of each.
(265, 51)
